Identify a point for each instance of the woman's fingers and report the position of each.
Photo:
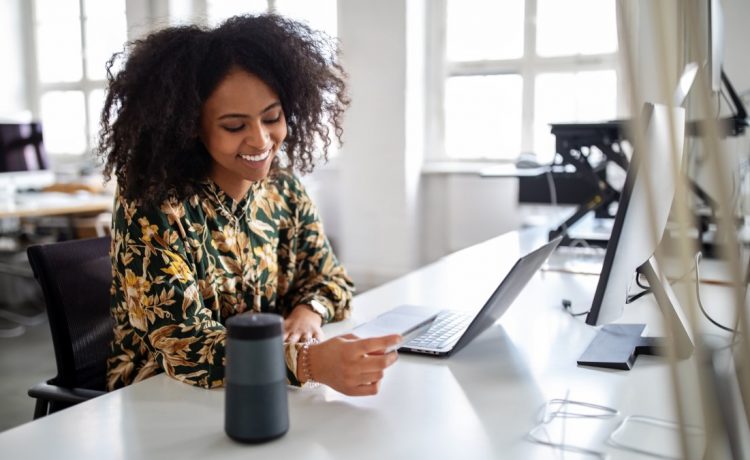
(367, 378)
(365, 390)
(376, 345)
(301, 332)
(351, 365)
(293, 337)
(372, 363)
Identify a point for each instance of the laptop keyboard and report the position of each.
(445, 327)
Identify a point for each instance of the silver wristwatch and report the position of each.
(319, 308)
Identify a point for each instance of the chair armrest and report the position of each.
(49, 392)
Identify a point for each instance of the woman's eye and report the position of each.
(272, 120)
(234, 129)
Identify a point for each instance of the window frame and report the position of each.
(528, 66)
(86, 85)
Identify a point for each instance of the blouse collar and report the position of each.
(228, 204)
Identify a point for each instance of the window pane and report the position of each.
(319, 14)
(96, 103)
(64, 121)
(106, 33)
(181, 12)
(219, 10)
(571, 97)
(58, 31)
(484, 29)
(483, 116)
(573, 27)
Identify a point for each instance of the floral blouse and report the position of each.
(182, 270)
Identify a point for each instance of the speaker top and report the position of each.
(254, 326)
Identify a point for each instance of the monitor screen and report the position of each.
(636, 233)
(23, 158)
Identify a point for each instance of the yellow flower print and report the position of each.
(136, 302)
(135, 286)
(177, 268)
(147, 230)
(266, 259)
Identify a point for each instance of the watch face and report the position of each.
(318, 308)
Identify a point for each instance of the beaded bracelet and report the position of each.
(305, 362)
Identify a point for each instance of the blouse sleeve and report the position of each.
(319, 275)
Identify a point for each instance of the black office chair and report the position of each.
(75, 277)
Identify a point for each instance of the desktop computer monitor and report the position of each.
(639, 225)
(23, 160)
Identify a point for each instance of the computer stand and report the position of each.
(616, 346)
(573, 143)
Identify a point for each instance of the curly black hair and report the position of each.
(151, 116)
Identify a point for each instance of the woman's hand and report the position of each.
(351, 365)
(303, 324)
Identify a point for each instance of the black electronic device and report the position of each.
(641, 219)
(575, 144)
(23, 159)
(256, 407)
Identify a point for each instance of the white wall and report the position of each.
(377, 217)
(13, 89)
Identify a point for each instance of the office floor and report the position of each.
(24, 361)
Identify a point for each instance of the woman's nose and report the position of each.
(257, 136)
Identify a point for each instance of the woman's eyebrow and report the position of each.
(243, 115)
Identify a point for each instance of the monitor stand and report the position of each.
(616, 346)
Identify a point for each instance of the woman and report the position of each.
(202, 128)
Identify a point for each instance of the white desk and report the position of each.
(39, 204)
(478, 404)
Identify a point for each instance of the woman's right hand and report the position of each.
(351, 365)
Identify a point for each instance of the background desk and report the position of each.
(40, 204)
(478, 404)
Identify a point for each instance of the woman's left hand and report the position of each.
(303, 324)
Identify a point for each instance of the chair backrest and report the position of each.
(76, 278)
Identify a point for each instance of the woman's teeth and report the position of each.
(258, 157)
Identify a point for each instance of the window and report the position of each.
(509, 68)
(73, 41)
(318, 14)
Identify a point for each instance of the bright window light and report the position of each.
(571, 97)
(483, 116)
(484, 29)
(318, 14)
(96, 104)
(64, 122)
(572, 27)
(219, 10)
(106, 33)
(58, 34)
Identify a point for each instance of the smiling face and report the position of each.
(243, 128)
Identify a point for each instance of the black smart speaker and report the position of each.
(255, 402)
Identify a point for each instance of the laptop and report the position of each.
(452, 330)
